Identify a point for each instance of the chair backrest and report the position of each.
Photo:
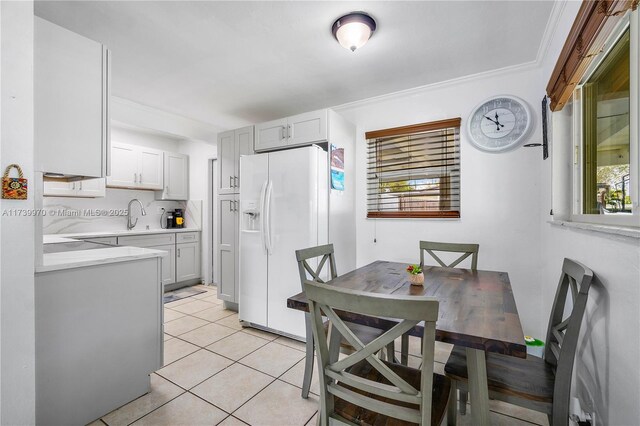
(308, 272)
(324, 300)
(563, 333)
(466, 250)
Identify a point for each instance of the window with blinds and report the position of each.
(414, 171)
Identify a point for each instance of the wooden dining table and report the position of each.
(476, 310)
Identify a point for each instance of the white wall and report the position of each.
(606, 372)
(500, 193)
(142, 137)
(17, 329)
(200, 153)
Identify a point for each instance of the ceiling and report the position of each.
(232, 63)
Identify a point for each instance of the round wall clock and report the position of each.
(499, 123)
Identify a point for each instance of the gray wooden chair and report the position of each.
(432, 247)
(536, 383)
(466, 249)
(326, 253)
(361, 388)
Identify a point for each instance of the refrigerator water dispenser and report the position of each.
(250, 217)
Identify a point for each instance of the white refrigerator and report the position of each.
(284, 206)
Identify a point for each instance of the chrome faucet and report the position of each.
(130, 223)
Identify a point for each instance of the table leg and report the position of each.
(479, 392)
(404, 349)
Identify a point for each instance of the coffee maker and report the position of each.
(178, 218)
(175, 219)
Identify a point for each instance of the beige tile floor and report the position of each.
(216, 372)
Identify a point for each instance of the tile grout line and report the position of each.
(273, 378)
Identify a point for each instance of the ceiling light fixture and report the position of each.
(353, 30)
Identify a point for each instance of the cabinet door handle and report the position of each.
(230, 181)
(140, 177)
(284, 132)
(135, 178)
(236, 181)
(237, 205)
(73, 186)
(80, 186)
(289, 132)
(178, 252)
(230, 206)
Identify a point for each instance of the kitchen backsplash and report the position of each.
(64, 215)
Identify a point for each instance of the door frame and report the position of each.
(212, 220)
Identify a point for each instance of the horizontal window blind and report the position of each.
(414, 171)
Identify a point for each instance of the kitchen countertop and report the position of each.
(54, 239)
(83, 258)
(123, 233)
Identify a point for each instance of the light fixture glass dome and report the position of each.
(353, 30)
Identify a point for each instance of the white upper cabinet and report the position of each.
(91, 188)
(244, 146)
(231, 145)
(137, 167)
(272, 134)
(150, 168)
(124, 166)
(86, 188)
(302, 129)
(307, 128)
(71, 98)
(176, 177)
(227, 165)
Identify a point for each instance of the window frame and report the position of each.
(453, 123)
(629, 21)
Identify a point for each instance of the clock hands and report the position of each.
(496, 122)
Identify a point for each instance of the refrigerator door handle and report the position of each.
(267, 219)
(263, 194)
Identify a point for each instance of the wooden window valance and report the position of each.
(414, 171)
(591, 29)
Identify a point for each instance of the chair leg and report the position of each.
(463, 402)
(404, 349)
(391, 352)
(452, 413)
(308, 362)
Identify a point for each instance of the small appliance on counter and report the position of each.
(178, 218)
(175, 219)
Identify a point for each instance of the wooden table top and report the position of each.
(477, 308)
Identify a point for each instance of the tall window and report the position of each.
(606, 146)
(606, 133)
(414, 171)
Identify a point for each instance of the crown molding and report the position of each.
(550, 29)
(439, 85)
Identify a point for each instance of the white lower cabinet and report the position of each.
(102, 240)
(183, 260)
(187, 261)
(168, 264)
